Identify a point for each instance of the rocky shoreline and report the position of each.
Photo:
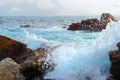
(17, 62)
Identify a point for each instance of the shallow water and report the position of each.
(82, 55)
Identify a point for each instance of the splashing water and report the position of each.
(78, 55)
(89, 62)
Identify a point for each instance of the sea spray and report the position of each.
(79, 56)
(89, 62)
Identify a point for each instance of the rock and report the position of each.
(107, 17)
(115, 63)
(88, 24)
(10, 70)
(111, 78)
(93, 24)
(14, 49)
(118, 45)
(36, 65)
(114, 55)
(26, 26)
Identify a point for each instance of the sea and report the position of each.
(77, 55)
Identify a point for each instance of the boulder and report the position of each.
(93, 24)
(10, 70)
(14, 49)
(115, 63)
(36, 65)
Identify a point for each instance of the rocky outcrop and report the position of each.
(88, 24)
(36, 65)
(115, 63)
(93, 24)
(33, 63)
(14, 49)
(10, 70)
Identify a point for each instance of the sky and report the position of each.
(58, 7)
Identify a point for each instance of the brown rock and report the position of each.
(36, 65)
(115, 63)
(13, 49)
(88, 24)
(114, 55)
(93, 24)
(10, 70)
(107, 17)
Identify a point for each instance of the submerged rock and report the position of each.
(115, 63)
(93, 24)
(14, 49)
(10, 70)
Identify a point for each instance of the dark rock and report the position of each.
(26, 26)
(14, 49)
(112, 78)
(118, 45)
(115, 64)
(93, 24)
(36, 65)
(10, 70)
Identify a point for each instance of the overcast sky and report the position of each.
(58, 7)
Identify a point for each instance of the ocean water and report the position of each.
(77, 55)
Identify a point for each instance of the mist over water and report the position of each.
(78, 55)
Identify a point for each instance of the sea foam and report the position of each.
(87, 62)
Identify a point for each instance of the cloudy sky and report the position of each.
(58, 7)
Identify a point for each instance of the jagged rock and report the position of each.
(14, 49)
(88, 24)
(115, 63)
(107, 17)
(10, 70)
(93, 24)
(36, 65)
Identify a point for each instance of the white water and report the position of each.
(87, 62)
(78, 55)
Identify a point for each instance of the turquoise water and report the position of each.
(78, 55)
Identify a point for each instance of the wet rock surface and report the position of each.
(93, 24)
(115, 64)
(33, 63)
(36, 65)
(14, 49)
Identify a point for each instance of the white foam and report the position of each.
(89, 62)
(34, 41)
